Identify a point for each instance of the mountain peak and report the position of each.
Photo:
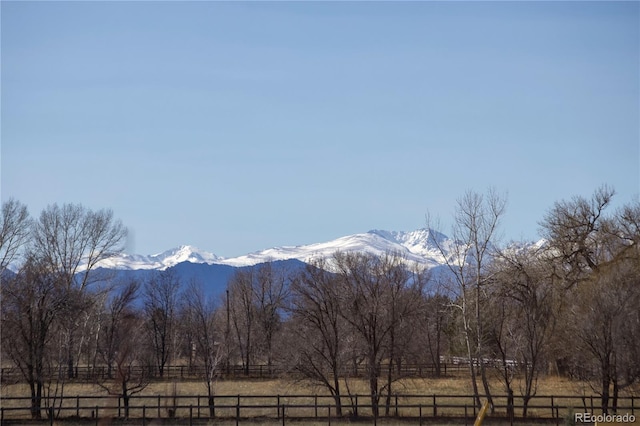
(423, 242)
(160, 261)
(184, 253)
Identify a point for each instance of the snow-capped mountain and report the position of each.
(159, 261)
(415, 246)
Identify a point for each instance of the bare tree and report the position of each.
(525, 298)
(503, 340)
(243, 314)
(404, 288)
(270, 292)
(160, 308)
(200, 312)
(476, 221)
(363, 308)
(32, 302)
(574, 232)
(595, 258)
(437, 321)
(14, 234)
(112, 330)
(71, 240)
(537, 298)
(379, 296)
(129, 359)
(257, 297)
(320, 352)
(605, 321)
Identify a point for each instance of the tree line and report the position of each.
(568, 306)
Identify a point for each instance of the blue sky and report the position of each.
(240, 126)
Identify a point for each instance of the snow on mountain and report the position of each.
(415, 246)
(159, 261)
(186, 254)
(423, 242)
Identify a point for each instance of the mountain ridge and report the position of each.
(416, 246)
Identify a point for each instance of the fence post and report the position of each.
(435, 406)
(77, 406)
(238, 411)
(315, 404)
(329, 414)
(159, 407)
(118, 408)
(278, 408)
(355, 409)
(510, 406)
(396, 405)
(552, 412)
(191, 412)
(144, 415)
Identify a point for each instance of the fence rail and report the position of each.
(90, 374)
(321, 407)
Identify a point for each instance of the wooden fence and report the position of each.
(319, 408)
(88, 374)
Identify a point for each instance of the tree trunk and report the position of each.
(70, 361)
(606, 382)
(485, 384)
(36, 399)
(530, 373)
(125, 399)
(510, 409)
(479, 346)
(472, 369)
(387, 405)
(212, 410)
(616, 391)
(373, 387)
(336, 394)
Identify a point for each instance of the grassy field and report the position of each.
(450, 386)
(441, 386)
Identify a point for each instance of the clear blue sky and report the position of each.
(240, 126)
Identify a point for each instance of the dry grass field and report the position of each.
(440, 386)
